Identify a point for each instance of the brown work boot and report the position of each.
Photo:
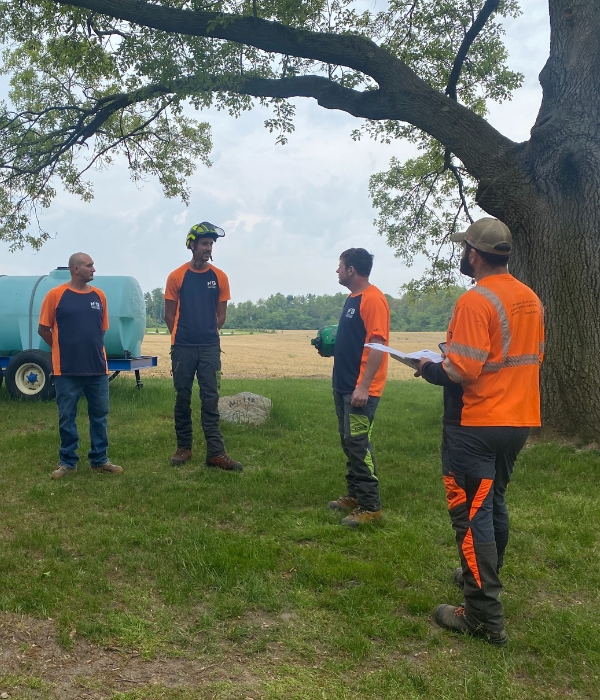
(343, 503)
(453, 618)
(359, 516)
(108, 468)
(62, 471)
(224, 462)
(182, 454)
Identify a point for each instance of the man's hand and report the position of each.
(46, 334)
(422, 362)
(360, 396)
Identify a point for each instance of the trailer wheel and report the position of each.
(29, 376)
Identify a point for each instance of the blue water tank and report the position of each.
(21, 299)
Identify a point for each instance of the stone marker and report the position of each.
(245, 407)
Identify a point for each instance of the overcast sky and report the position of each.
(287, 211)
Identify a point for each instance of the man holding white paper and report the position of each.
(359, 376)
(490, 375)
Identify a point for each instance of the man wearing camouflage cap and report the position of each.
(196, 298)
(490, 375)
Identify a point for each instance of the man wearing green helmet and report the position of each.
(196, 297)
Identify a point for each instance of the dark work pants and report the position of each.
(355, 426)
(204, 363)
(477, 464)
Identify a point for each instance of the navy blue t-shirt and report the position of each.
(349, 346)
(197, 294)
(78, 320)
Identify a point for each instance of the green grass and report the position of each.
(252, 569)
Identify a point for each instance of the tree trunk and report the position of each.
(559, 257)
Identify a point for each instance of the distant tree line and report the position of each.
(427, 313)
(155, 308)
(430, 312)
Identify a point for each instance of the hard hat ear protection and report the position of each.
(203, 230)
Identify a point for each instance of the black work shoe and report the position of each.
(182, 454)
(458, 578)
(360, 517)
(453, 618)
(343, 503)
(224, 462)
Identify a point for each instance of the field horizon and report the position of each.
(284, 354)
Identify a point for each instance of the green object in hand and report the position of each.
(325, 340)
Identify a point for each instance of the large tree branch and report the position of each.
(483, 16)
(402, 96)
(470, 36)
(370, 104)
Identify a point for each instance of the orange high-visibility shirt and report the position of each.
(495, 345)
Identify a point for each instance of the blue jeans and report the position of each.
(68, 392)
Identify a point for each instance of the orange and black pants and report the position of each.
(477, 464)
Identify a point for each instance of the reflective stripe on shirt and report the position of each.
(502, 317)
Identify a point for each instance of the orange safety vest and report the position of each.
(495, 345)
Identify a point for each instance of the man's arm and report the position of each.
(221, 314)
(46, 333)
(434, 373)
(360, 396)
(170, 311)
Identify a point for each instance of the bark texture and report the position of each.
(547, 190)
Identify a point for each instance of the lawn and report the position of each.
(181, 583)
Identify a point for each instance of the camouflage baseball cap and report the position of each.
(488, 235)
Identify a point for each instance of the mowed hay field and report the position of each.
(283, 354)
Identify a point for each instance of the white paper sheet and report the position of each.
(408, 358)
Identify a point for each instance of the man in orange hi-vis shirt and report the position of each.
(490, 375)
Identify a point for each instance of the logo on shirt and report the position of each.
(212, 284)
(95, 305)
(350, 313)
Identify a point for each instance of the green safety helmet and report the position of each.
(203, 230)
(325, 341)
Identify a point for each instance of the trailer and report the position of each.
(26, 360)
(28, 374)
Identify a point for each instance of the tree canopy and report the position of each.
(94, 78)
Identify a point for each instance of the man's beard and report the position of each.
(466, 268)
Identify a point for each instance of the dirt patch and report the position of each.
(284, 354)
(31, 658)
